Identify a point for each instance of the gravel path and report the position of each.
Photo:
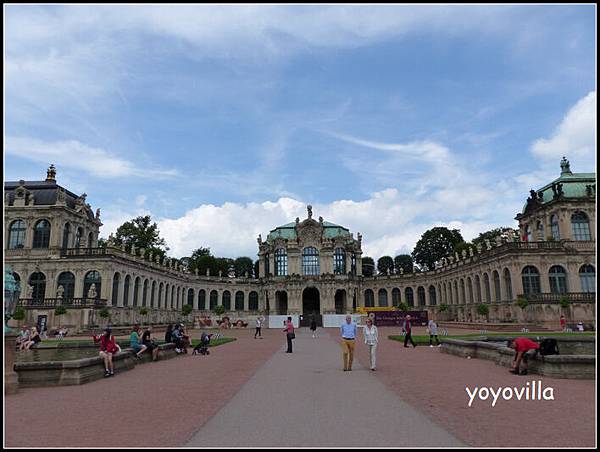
(306, 399)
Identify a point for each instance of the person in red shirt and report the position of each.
(524, 349)
(563, 323)
(108, 348)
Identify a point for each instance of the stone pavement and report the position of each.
(305, 399)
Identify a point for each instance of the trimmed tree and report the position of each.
(368, 266)
(385, 265)
(243, 266)
(404, 262)
(483, 310)
(435, 244)
(219, 309)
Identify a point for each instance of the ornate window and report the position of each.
(463, 294)
(310, 261)
(227, 300)
(214, 298)
(115, 289)
(190, 297)
(558, 279)
(382, 298)
(41, 234)
(267, 265)
(78, 235)
(253, 301)
(554, 227)
(239, 300)
(126, 290)
(202, 299)
(587, 277)
(528, 234)
(581, 226)
(432, 296)
(540, 231)
(470, 284)
(152, 294)
(136, 289)
(395, 296)
(92, 277)
(145, 293)
(421, 295)
(369, 299)
(91, 241)
(497, 293)
(37, 281)
(281, 262)
(353, 264)
(488, 291)
(531, 280)
(66, 234)
(508, 284)
(16, 234)
(67, 281)
(339, 261)
(409, 296)
(478, 289)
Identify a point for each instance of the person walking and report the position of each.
(313, 326)
(259, 323)
(432, 327)
(407, 329)
(348, 333)
(563, 323)
(371, 339)
(289, 333)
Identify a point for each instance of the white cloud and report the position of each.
(575, 137)
(79, 156)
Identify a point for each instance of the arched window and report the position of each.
(160, 295)
(78, 235)
(353, 264)
(92, 277)
(470, 285)
(540, 231)
(66, 234)
(173, 300)
(41, 234)
(239, 300)
(67, 281)
(202, 299)
(190, 297)
(339, 261)
(531, 280)
(581, 226)
(214, 299)
(587, 277)
(227, 300)
(478, 288)
(558, 279)
(508, 284)
(115, 289)
(497, 294)
(488, 291)
(554, 227)
(153, 294)
(395, 297)
(178, 299)
(382, 298)
(409, 296)
(253, 301)
(167, 292)
(456, 301)
(528, 234)
(145, 294)
(126, 290)
(281, 262)
(432, 296)
(37, 281)
(369, 299)
(310, 261)
(463, 295)
(267, 265)
(16, 234)
(421, 295)
(91, 241)
(136, 289)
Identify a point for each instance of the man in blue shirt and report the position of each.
(348, 332)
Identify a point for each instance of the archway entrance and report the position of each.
(340, 301)
(281, 302)
(311, 306)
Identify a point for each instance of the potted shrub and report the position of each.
(483, 310)
(522, 303)
(19, 314)
(402, 307)
(60, 310)
(219, 310)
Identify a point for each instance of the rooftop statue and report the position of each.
(309, 208)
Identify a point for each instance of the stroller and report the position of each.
(202, 347)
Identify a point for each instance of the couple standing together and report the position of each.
(348, 332)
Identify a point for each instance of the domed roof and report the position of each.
(288, 231)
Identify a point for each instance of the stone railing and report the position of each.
(49, 303)
(573, 297)
(83, 252)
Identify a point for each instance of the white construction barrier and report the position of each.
(276, 321)
(335, 320)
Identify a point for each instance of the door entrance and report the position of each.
(311, 306)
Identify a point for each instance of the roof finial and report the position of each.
(309, 208)
(51, 174)
(565, 167)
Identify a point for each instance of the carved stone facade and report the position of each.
(305, 267)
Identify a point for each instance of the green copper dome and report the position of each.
(288, 231)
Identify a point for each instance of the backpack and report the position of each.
(549, 347)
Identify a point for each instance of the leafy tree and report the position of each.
(443, 307)
(202, 260)
(19, 314)
(219, 309)
(104, 313)
(385, 264)
(102, 243)
(434, 244)
(143, 311)
(522, 303)
(60, 310)
(403, 307)
(492, 234)
(141, 232)
(243, 265)
(187, 309)
(463, 246)
(368, 266)
(483, 310)
(405, 262)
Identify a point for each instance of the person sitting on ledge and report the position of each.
(177, 338)
(108, 348)
(34, 339)
(150, 343)
(23, 337)
(524, 349)
(138, 348)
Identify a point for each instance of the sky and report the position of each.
(223, 122)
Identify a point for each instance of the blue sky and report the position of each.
(225, 121)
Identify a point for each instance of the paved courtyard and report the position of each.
(250, 393)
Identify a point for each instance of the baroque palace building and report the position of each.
(309, 267)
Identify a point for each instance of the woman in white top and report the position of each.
(370, 332)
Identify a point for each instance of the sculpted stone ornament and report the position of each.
(488, 245)
(246, 275)
(451, 259)
(133, 250)
(456, 256)
(208, 272)
(464, 254)
(220, 273)
(60, 292)
(111, 240)
(98, 214)
(259, 239)
(498, 241)
(92, 292)
(479, 248)
(401, 270)
(309, 208)
(471, 253)
(321, 220)
(196, 271)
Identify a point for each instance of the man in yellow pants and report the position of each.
(348, 332)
